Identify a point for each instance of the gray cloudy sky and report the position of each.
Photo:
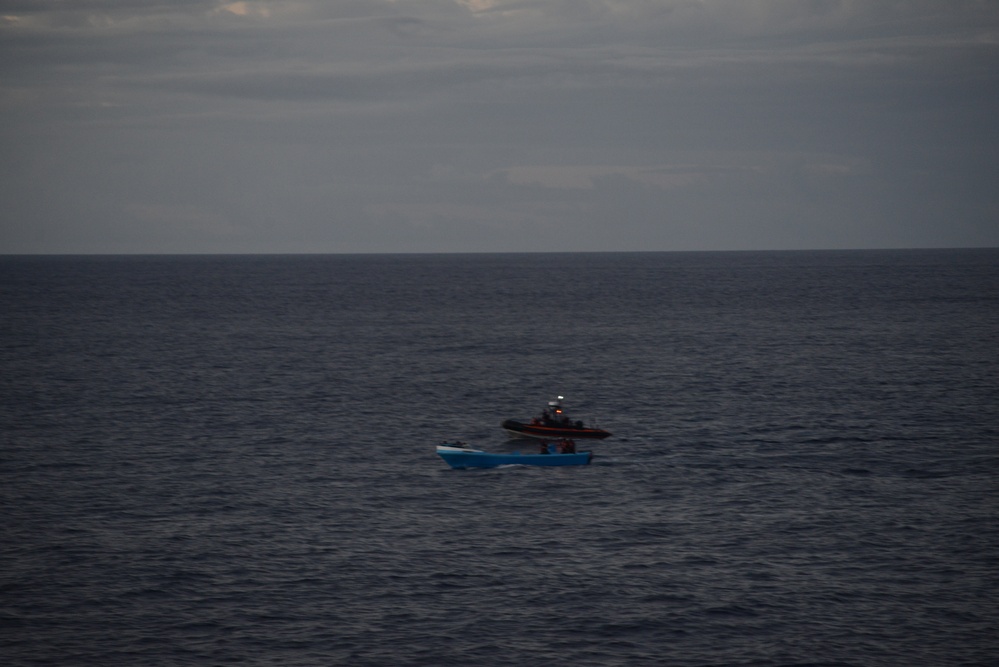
(497, 125)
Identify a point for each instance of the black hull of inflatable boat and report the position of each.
(522, 430)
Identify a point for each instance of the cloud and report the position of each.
(242, 8)
(583, 177)
(697, 172)
(367, 124)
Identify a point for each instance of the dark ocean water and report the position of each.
(230, 460)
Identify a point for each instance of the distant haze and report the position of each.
(191, 126)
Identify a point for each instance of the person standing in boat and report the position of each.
(567, 446)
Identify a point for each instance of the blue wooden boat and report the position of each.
(466, 457)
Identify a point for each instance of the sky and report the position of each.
(384, 126)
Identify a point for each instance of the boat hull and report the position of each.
(457, 457)
(541, 432)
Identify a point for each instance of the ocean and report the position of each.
(215, 460)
